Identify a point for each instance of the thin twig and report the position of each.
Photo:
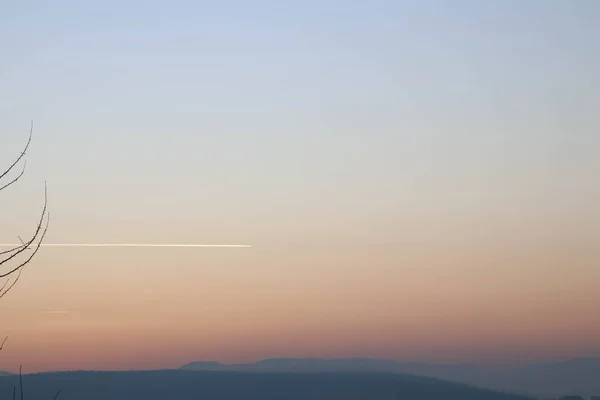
(21, 380)
(15, 179)
(11, 250)
(3, 286)
(27, 244)
(20, 156)
(37, 247)
(2, 294)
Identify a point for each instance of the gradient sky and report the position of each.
(420, 180)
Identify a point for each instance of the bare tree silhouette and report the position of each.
(12, 261)
(11, 265)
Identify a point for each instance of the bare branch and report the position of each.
(10, 254)
(25, 246)
(3, 174)
(11, 250)
(3, 286)
(17, 250)
(3, 293)
(14, 248)
(31, 241)
(15, 179)
(19, 268)
(21, 380)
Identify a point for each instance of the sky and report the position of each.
(418, 180)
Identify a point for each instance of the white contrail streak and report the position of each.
(130, 245)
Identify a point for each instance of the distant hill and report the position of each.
(4, 373)
(576, 376)
(188, 385)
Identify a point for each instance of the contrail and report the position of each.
(130, 245)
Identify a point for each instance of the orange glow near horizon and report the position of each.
(417, 182)
(139, 309)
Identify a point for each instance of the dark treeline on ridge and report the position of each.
(188, 385)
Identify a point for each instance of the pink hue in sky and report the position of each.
(464, 298)
(419, 182)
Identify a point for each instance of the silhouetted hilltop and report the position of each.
(300, 365)
(547, 379)
(184, 385)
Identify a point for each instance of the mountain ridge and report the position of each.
(188, 385)
(551, 379)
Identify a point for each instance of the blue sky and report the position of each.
(392, 125)
(275, 98)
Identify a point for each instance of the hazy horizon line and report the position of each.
(180, 367)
